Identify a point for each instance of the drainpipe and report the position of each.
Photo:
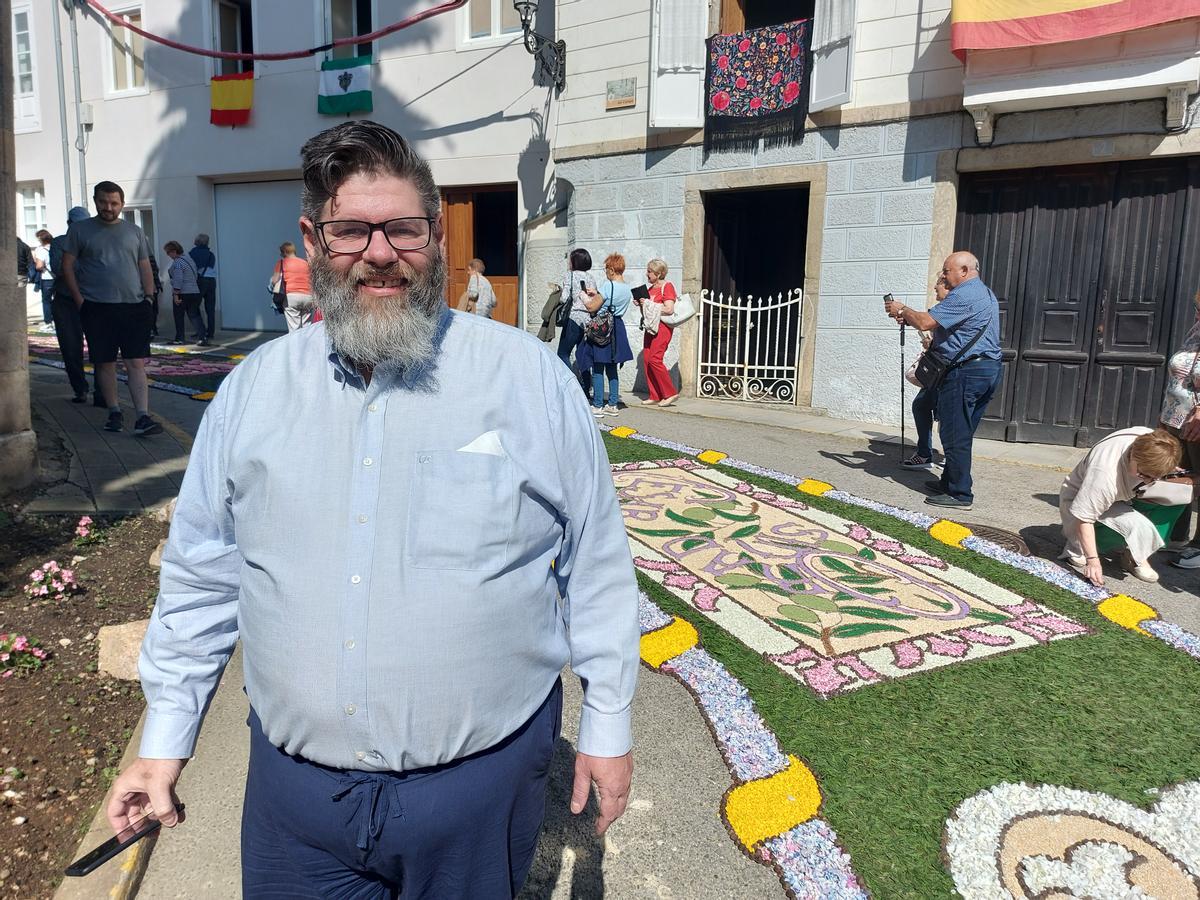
(80, 141)
(62, 105)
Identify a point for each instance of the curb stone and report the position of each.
(120, 877)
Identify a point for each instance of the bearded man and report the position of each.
(406, 608)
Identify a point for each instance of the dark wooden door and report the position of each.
(1142, 247)
(1058, 308)
(993, 219)
(1086, 262)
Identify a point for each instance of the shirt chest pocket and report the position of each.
(461, 511)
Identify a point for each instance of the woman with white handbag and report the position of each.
(654, 345)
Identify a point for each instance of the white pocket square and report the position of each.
(487, 443)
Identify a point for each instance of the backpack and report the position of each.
(599, 329)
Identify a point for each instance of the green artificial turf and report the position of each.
(1113, 712)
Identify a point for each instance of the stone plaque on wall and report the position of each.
(621, 94)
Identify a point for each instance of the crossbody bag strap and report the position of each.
(971, 343)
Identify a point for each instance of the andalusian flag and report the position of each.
(994, 24)
(345, 86)
(232, 97)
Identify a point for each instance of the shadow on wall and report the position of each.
(567, 841)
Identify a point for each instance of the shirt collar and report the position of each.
(345, 372)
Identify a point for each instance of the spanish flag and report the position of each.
(996, 24)
(232, 97)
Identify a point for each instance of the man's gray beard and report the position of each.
(398, 331)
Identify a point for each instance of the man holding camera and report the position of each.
(966, 340)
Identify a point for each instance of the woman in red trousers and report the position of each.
(658, 379)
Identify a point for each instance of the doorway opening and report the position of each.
(752, 298)
(481, 223)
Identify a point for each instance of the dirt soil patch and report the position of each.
(64, 728)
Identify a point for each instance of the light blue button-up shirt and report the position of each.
(409, 565)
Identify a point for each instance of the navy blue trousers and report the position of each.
(467, 829)
(962, 399)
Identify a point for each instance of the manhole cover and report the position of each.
(1007, 539)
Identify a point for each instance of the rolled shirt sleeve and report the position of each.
(596, 578)
(193, 628)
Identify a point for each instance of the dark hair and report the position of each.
(43, 235)
(361, 147)
(174, 247)
(107, 187)
(581, 260)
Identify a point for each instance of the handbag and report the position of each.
(651, 314)
(1165, 492)
(599, 328)
(684, 310)
(930, 370)
(279, 292)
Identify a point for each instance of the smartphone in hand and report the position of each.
(94, 859)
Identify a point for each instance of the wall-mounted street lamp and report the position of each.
(551, 55)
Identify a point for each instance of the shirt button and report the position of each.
(351, 709)
(360, 755)
(372, 408)
(362, 520)
(367, 461)
(355, 579)
(350, 644)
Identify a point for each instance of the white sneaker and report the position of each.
(611, 410)
(597, 412)
(1140, 571)
(1188, 559)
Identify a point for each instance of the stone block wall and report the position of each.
(878, 222)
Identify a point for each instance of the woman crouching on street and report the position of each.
(1099, 490)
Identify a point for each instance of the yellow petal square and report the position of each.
(1126, 612)
(623, 431)
(949, 532)
(712, 457)
(668, 642)
(762, 809)
(814, 487)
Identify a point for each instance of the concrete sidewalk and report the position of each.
(108, 473)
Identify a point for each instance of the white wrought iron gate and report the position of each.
(749, 347)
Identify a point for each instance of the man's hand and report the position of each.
(612, 775)
(1094, 572)
(147, 786)
(1190, 430)
(893, 308)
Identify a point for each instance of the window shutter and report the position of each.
(677, 58)
(833, 54)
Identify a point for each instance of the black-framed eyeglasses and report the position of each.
(352, 236)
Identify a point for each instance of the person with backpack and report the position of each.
(206, 279)
(605, 345)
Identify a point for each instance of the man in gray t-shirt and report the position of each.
(106, 270)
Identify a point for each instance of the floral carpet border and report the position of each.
(1121, 609)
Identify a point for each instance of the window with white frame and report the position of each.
(491, 18)
(348, 18)
(25, 101)
(127, 52)
(233, 32)
(143, 217)
(31, 200)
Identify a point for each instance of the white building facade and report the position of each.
(1070, 169)
(460, 85)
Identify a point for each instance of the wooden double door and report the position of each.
(1095, 268)
(481, 222)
